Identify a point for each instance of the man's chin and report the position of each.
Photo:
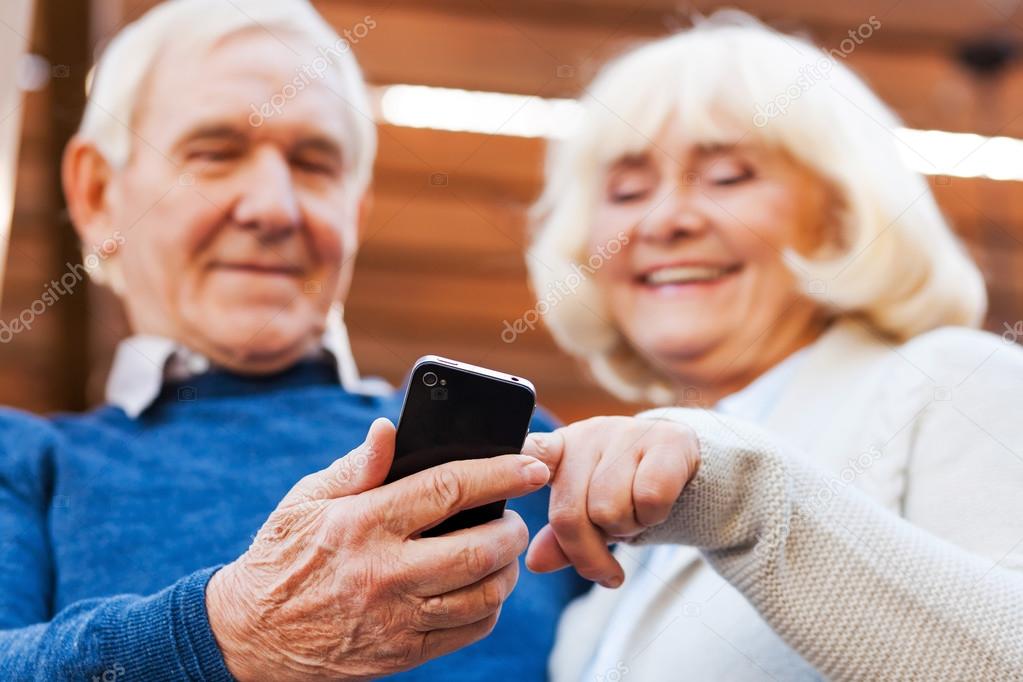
(257, 349)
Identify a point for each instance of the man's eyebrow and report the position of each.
(319, 143)
(210, 131)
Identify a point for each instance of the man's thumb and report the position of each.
(362, 469)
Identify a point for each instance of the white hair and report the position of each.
(896, 262)
(119, 77)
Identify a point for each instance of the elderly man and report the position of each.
(221, 172)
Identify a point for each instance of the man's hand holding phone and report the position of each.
(339, 583)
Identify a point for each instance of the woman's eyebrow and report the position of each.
(722, 149)
(630, 160)
(715, 148)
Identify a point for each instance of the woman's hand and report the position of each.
(611, 479)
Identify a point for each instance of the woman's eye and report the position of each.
(629, 188)
(730, 176)
(626, 195)
(630, 180)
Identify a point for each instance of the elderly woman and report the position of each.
(850, 452)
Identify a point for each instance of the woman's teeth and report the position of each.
(685, 274)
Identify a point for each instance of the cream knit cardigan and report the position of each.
(874, 520)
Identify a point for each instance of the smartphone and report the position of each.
(454, 410)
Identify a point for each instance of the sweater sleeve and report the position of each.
(857, 591)
(164, 636)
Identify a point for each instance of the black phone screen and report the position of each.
(451, 413)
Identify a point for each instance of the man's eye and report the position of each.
(213, 155)
(317, 167)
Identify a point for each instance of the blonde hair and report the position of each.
(118, 80)
(898, 264)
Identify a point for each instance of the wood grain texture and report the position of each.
(441, 265)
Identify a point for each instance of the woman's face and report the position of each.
(701, 290)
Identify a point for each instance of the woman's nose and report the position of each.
(674, 217)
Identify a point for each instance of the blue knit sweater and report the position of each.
(110, 528)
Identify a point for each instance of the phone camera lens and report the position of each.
(430, 379)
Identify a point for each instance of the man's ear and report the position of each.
(86, 176)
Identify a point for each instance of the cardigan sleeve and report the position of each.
(857, 591)
(965, 470)
(165, 636)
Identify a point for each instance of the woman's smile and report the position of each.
(685, 279)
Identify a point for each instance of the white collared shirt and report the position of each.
(143, 363)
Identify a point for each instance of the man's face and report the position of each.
(239, 231)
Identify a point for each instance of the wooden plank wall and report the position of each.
(30, 362)
(441, 263)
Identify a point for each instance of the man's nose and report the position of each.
(675, 217)
(267, 203)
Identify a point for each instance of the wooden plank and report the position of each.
(492, 165)
(437, 231)
(924, 21)
(14, 27)
(68, 49)
(559, 47)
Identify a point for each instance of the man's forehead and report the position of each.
(235, 77)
